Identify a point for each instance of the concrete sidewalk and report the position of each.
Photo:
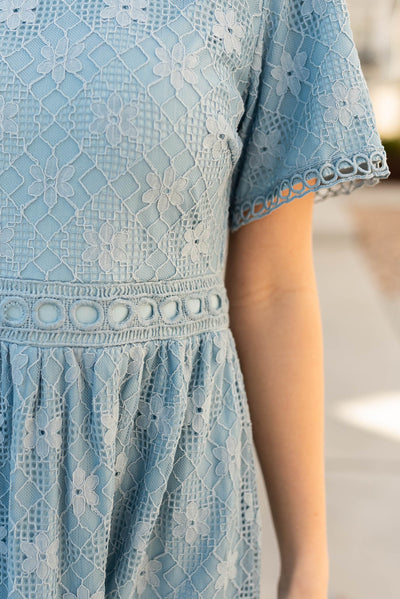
(362, 391)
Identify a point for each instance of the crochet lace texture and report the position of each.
(131, 131)
(133, 136)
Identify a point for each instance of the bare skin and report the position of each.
(276, 322)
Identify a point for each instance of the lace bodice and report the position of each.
(135, 134)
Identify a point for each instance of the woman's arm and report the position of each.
(276, 323)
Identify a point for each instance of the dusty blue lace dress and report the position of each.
(133, 136)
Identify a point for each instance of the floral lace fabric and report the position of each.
(133, 136)
(127, 471)
(308, 123)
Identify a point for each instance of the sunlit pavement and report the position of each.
(361, 326)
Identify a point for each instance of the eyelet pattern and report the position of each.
(107, 314)
(214, 302)
(13, 311)
(87, 314)
(194, 306)
(146, 310)
(48, 314)
(120, 313)
(170, 309)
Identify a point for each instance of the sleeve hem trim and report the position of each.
(330, 179)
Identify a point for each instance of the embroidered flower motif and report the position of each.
(166, 190)
(41, 555)
(217, 139)
(8, 110)
(110, 422)
(140, 537)
(106, 246)
(265, 144)
(15, 12)
(73, 371)
(196, 242)
(51, 182)
(83, 491)
(62, 59)
(3, 540)
(119, 467)
(227, 458)
(191, 523)
(18, 367)
(83, 593)
(195, 415)
(125, 11)
(290, 73)
(80, 362)
(228, 29)
(221, 343)
(318, 6)
(155, 418)
(187, 367)
(136, 356)
(5, 248)
(42, 433)
(226, 570)
(147, 573)
(87, 359)
(343, 104)
(114, 119)
(176, 64)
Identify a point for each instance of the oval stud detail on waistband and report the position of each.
(58, 313)
(14, 311)
(120, 313)
(146, 310)
(170, 309)
(194, 306)
(214, 302)
(87, 314)
(48, 313)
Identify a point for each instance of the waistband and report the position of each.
(104, 314)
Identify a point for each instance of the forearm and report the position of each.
(280, 348)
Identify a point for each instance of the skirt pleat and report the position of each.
(127, 472)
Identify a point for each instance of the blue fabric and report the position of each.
(308, 123)
(133, 136)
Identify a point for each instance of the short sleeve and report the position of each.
(308, 123)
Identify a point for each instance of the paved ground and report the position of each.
(357, 260)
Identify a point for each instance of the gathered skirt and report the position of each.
(127, 471)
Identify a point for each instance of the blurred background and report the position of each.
(357, 261)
